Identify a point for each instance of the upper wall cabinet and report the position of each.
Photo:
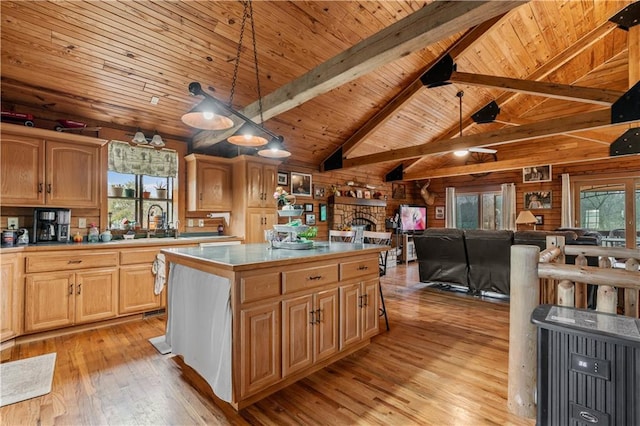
(42, 167)
(208, 183)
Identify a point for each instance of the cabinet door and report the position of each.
(22, 171)
(257, 221)
(298, 324)
(96, 295)
(214, 187)
(11, 308)
(269, 183)
(350, 315)
(49, 300)
(370, 310)
(260, 352)
(137, 284)
(326, 327)
(255, 185)
(72, 175)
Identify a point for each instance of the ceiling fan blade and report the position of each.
(485, 150)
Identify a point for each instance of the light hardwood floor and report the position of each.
(444, 362)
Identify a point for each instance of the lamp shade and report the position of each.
(139, 138)
(156, 141)
(525, 217)
(274, 149)
(246, 137)
(206, 116)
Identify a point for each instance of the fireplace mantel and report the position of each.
(357, 201)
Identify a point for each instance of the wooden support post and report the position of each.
(525, 293)
(607, 295)
(566, 294)
(630, 294)
(581, 288)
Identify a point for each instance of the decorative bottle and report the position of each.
(94, 234)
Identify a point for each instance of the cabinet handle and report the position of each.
(366, 299)
(201, 196)
(40, 187)
(362, 268)
(71, 262)
(316, 277)
(49, 189)
(79, 289)
(318, 317)
(360, 305)
(312, 318)
(71, 289)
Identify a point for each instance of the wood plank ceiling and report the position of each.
(102, 62)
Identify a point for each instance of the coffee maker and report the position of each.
(51, 225)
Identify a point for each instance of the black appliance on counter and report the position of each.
(51, 224)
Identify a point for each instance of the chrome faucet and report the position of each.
(176, 230)
(149, 213)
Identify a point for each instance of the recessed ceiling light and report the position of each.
(155, 100)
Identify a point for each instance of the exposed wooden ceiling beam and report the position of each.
(583, 135)
(573, 152)
(567, 92)
(432, 23)
(589, 120)
(545, 70)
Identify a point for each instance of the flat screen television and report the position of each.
(413, 218)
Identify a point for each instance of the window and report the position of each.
(609, 206)
(134, 206)
(136, 175)
(479, 210)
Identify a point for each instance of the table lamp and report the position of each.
(527, 218)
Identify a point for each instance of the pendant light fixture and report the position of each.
(250, 134)
(140, 139)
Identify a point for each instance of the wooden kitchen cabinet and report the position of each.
(260, 357)
(208, 183)
(310, 330)
(60, 299)
(359, 301)
(46, 168)
(137, 281)
(254, 208)
(11, 296)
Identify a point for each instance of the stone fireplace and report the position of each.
(349, 211)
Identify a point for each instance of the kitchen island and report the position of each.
(251, 319)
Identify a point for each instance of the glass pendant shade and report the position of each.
(139, 138)
(461, 153)
(205, 117)
(156, 141)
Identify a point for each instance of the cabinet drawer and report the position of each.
(301, 279)
(132, 257)
(259, 287)
(70, 261)
(359, 268)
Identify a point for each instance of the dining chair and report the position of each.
(380, 238)
(341, 236)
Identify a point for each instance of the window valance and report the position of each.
(142, 160)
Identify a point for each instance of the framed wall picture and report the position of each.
(398, 191)
(310, 219)
(318, 192)
(308, 207)
(439, 212)
(323, 212)
(539, 219)
(301, 184)
(537, 200)
(536, 174)
(283, 178)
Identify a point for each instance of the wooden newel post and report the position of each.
(524, 296)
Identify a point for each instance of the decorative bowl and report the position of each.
(128, 236)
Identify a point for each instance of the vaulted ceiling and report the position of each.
(337, 77)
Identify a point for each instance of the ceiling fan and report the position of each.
(476, 155)
(464, 152)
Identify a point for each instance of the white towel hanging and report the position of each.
(159, 271)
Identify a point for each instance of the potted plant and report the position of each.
(161, 190)
(146, 194)
(129, 192)
(117, 190)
